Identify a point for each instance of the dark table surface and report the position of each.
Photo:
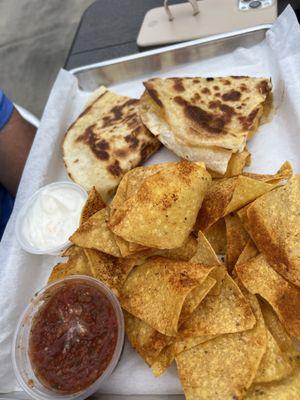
(109, 29)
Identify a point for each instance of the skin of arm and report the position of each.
(16, 138)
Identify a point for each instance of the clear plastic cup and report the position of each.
(20, 349)
(24, 243)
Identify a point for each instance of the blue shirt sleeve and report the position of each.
(6, 109)
(6, 199)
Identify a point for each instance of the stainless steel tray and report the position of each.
(124, 69)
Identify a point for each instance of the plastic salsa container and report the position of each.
(68, 340)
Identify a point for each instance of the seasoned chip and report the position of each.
(223, 368)
(274, 224)
(168, 354)
(76, 265)
(95, 234)
(274, 364)
(286, 389)
(285, 172)
(205, 253)
(260, 278)
(277, 330)
(228, 195)
(216, 235)
(72, 251)
(163, 211)
(194, 298)
(228, 312)
(93, 204)
(237, 239)
(110, 270)
(249, 252)
(156, 291)
(147, 341)
(127, 248)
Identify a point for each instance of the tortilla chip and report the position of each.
(274, 364)
(286, 389)
(274, 225)
(237, 239)
(205, 253)
(260, 278)
(108, 269)
(250, 251)
(144, 339)
(224, 367)
(168, 354)
(228, 312)
(216, 235)
(76, 265)
(228, 195)
(95, 234)
(93, 204)
(285, 172)
(127, 248)
(156, 290)
(150, 217)
(277, 330)
(194, 298)
(72, 251)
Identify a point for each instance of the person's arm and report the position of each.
(16, 137)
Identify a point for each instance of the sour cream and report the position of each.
(50, 217)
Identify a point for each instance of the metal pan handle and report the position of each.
(193, 3)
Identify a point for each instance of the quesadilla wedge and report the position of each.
(205, 119)
(107, 140)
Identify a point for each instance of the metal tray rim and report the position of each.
(166, 49)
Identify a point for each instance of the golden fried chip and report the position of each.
(108, 269)
(249, 252)
(205, 253)
(216, 235)
(194, 298)
(237, 239)
(127, 248)
(224, 367)
(168, 354)
(277, 330)
(95, 234)
(274, 225)
(274, 364)
(151, 216)
(93, 204)
(228, 312)
(286, 389)
(76, 265)
(284, 173)
(228, 195)
(147, 341)
(156, 290)
(260, 278)
(72, 251)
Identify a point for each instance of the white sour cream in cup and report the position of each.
(49, 218)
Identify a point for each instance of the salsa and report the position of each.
(73, 337)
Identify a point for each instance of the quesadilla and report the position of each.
(205, 119)
(107, 140)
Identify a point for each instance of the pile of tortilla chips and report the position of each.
(207, 272)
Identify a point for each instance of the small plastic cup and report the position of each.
(20, 348)
(24, 243)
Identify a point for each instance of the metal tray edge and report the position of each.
(165, 49)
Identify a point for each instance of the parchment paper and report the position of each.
(22, 274)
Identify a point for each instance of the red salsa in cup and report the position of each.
(73, 337)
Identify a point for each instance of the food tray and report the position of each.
(122, 71)
(133, 67)
(231, 53)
